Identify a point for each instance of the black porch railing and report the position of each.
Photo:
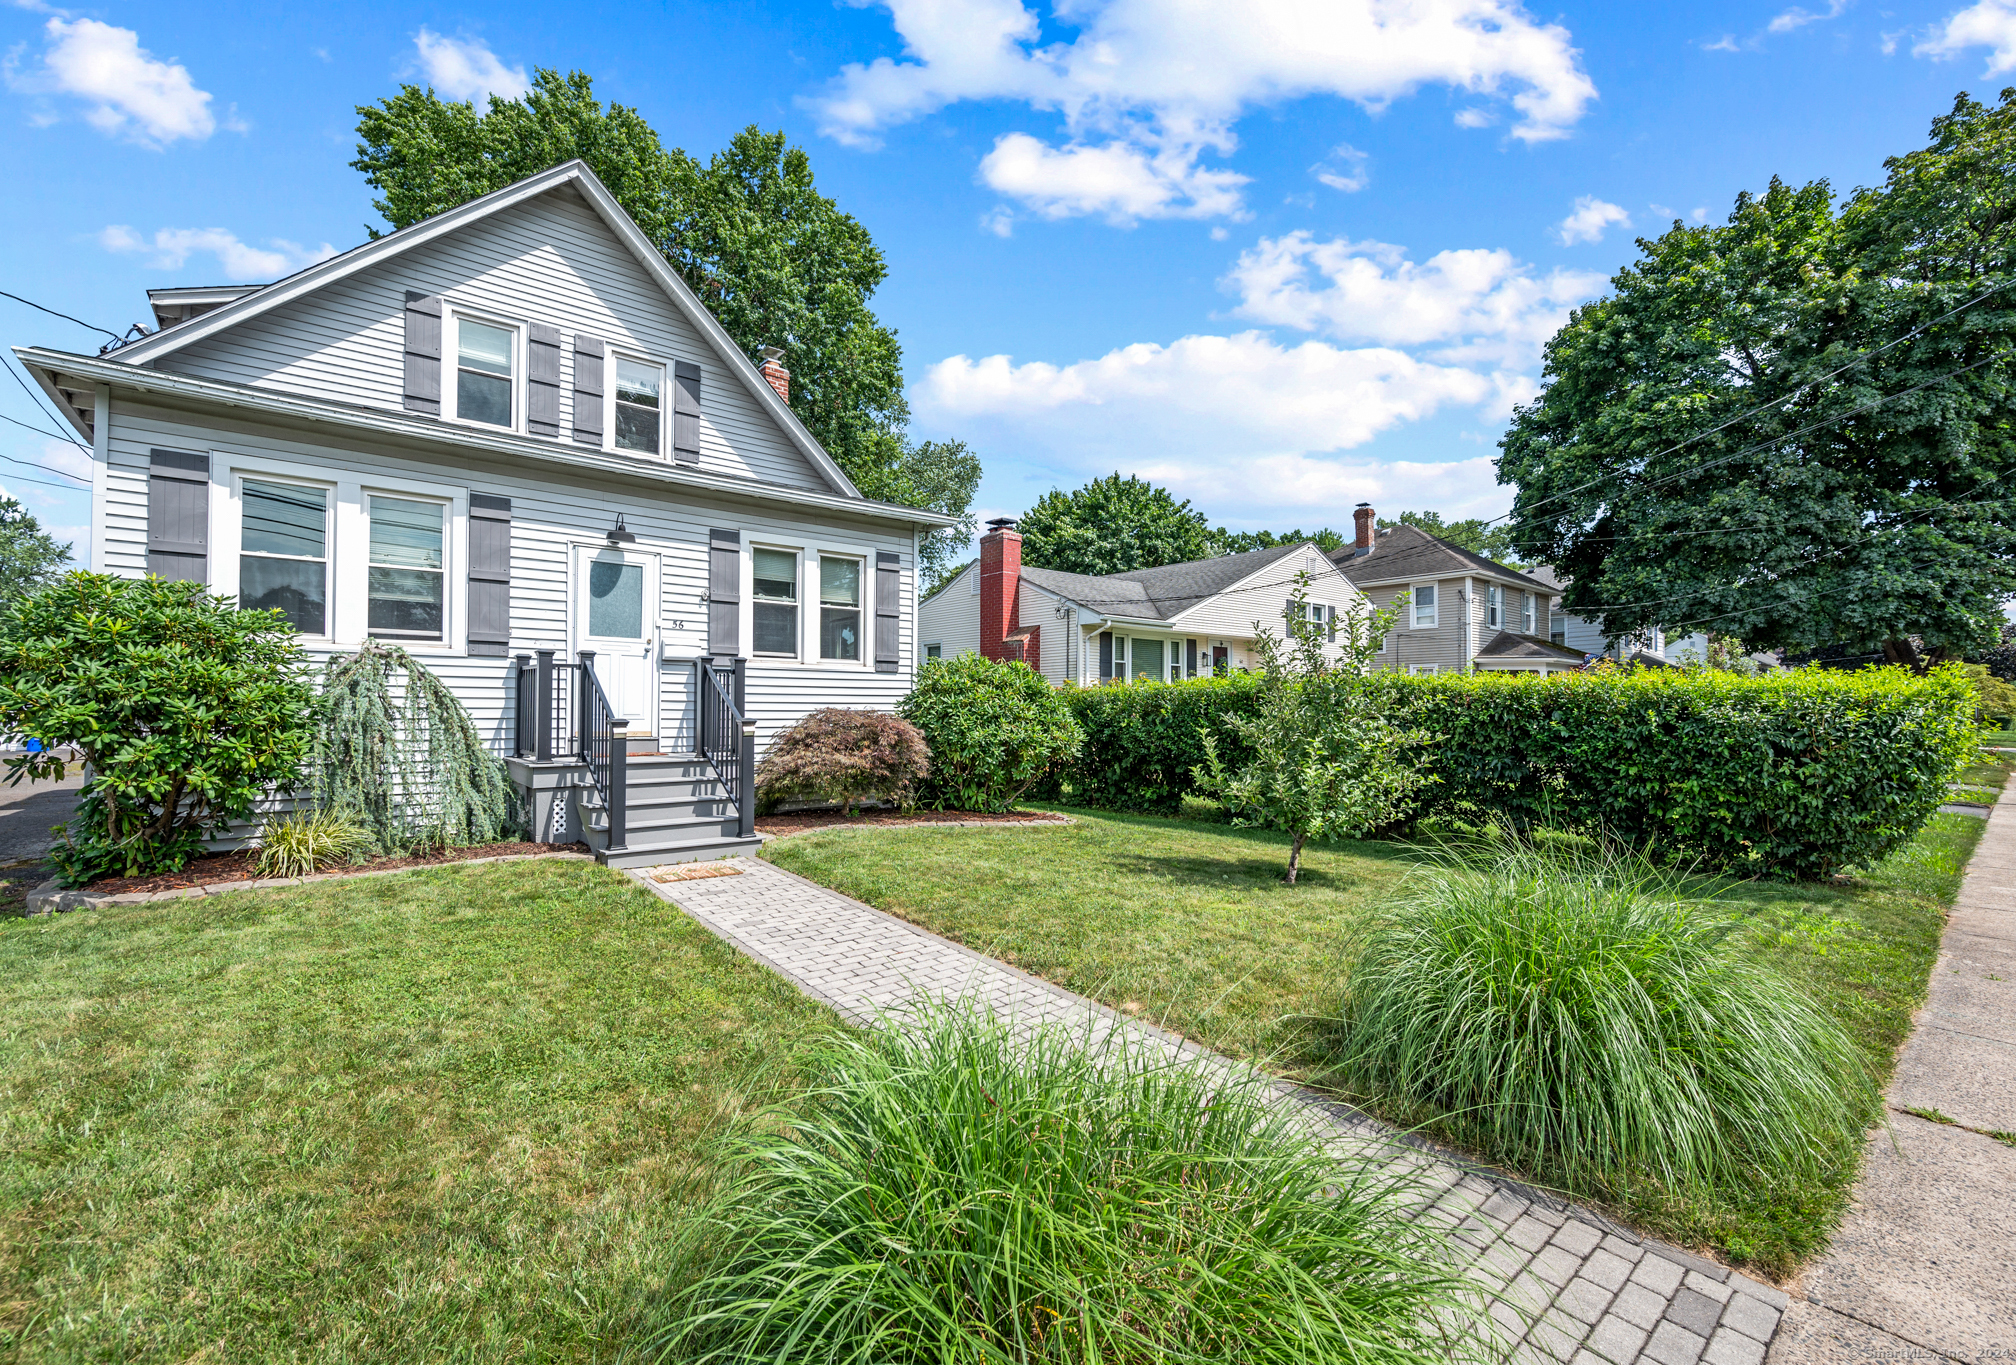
(727, 736)
(605, 749)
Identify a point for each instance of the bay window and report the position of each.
(407, 568)
(283, 560)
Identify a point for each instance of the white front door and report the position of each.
(616, 616)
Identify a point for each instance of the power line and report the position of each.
(43, 408)
(39, 432)
(65, 316)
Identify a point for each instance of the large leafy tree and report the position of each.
(1113, 525)
(1474, 534)
(776, 261)
(30, 558)
(1795, 427)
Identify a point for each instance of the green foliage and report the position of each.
(396, 748)
(307, 841)
(994, 729)
(844, 756)
(30, 558)
(1581, 1015)
(1226, 542)
(776, 261)
(1144, 739)
(1798, 525)
(1322, 759)
(1472, 533)
(1112, 525)
(186, 710)
(964, 1190)
(1994, 699)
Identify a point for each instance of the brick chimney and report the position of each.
(774, 371)
(1000, 586)
(1364, 517)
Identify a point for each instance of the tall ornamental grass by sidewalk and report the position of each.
(954, 1189)
(1579, 1016)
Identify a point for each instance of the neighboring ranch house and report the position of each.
(509, 439)
(1463, 611)
(1178, 621)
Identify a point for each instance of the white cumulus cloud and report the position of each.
(1988, 23)
(466, 68)
(1589, 220)
(171, 248)
(1796, 17)
(128, 92)
(1145, 88)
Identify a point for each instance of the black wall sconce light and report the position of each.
(619, 534)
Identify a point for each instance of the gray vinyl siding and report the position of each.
(547, 518)
(1035, 607)
(1441, 644)
(550, 259)
(951, 618)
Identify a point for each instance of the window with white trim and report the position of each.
(407, 568)
(1494, 607)
(1424, 668)
(1424, 605)
(839, 608)
(283, 552)
(934, 651)
(776, 602)
(486, 371)
(637, 406)
(1526, 613)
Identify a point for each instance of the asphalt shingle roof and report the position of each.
(1409, 552)
(1157, 594)
(1507, 645)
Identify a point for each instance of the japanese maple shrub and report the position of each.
(186, 710)
(844, 756)
(994, 728)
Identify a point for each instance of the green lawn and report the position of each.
(1189, 924)
(447, 1115)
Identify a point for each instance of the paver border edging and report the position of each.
(51, 899)
(1047, 823)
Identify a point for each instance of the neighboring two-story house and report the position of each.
(1463, 611)
(1651, 646)
(509, 438)
(1166, 624)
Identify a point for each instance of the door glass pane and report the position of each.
(283, 520)
(616, 600)
(294, 586)
(406, 533)
(406, 602)
(1148, 659)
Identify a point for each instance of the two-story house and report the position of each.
(1165, 624)
(512, 440)
(1463, 611)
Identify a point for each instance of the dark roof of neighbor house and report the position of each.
(1157, 594)
(1508, 645)
(1403, 551)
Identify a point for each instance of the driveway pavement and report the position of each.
(27, 812)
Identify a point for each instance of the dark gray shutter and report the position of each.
(686, 412)
(1105, 656)
(1189, 658)
(888, 611)
(423, 353)
(178, 516)
(489, 575)
(1288, 612)
(542, 379)
(1330, 614)
(724, 593)
(588, 389)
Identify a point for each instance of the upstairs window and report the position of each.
(1526, 613)
(283, 562)
(639, 420)
(483, 372)
(406, 568)
(839, 608)
(776, 606)
(1424, 606)
(1494, 607)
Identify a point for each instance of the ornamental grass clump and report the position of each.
(952, 1188)
(1578, 1017)
(304, 843)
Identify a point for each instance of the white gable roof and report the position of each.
(575, 174)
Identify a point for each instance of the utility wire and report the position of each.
(65, 316)
(39, 432)
(43, 408)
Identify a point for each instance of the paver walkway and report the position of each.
(1566, 1284)
(1924, 1265)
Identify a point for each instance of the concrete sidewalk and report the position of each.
(1924, 1265)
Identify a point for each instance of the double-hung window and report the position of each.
(776, 602)
(839, 608)
(1424, 605)
(1494, 607)
(1526, 613)
(1148, 660)
(485, 371)
(283, 560)
(639, 404)
(407, 568)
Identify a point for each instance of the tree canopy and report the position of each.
(1795, 427)
(30, 558)
(1471, 533)
(776, 261)
(1113, 525)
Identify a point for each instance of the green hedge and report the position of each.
(1789, 774)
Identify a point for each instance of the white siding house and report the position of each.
(506, 430)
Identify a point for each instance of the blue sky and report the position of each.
(1282, 257)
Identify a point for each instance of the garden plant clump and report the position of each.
(960, 1189)
(843, 756)
(994, 730)
(304, 843)
(186, 710)
(1578, 1016)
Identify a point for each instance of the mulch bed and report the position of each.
(212, 868)
(800, 821)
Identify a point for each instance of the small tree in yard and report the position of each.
(1326, 762)
(186, 709)
(845, 756)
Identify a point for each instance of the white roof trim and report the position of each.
(47, 366)
(169, 340)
